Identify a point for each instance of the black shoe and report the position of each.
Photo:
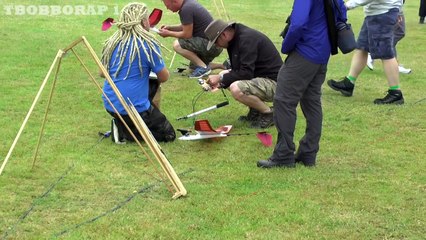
(305, 163)
(272, 164)
(345, 86)
(251, 116)
(422, 20)
(393, 97)
(264, 120)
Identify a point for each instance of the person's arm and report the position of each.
(101, 74)
(298, 19)
(247, 54)
(185, 33)
(163, 75)
(174, 28)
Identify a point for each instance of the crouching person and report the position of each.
(255, 63)
(129, 56)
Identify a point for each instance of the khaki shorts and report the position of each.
(198, 46)
(263, 88)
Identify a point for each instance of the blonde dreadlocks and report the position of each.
(130, 32)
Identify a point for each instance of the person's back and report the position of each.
(194, 13)
(250, 42)
(129, 79)
(374, 7)
(129, 56)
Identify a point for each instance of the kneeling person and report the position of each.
(129, 56)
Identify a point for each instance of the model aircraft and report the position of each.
(204, 130)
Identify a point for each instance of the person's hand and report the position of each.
(213, 81)
(163, 32)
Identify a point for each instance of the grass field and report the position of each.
(369, 182)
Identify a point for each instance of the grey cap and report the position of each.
(214, 29)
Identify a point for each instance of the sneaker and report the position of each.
(345, 86)
(393, 97)
(264, 120)
(404, 70)
(370, 62)
(117, 133)
(251, 116)
(200, 72)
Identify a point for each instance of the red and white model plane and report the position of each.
(204, 130)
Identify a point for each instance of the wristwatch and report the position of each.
(221, 85)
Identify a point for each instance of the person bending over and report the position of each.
(191, 41)
(255, 63)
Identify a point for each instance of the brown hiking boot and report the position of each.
(264, 120)
(251, 116)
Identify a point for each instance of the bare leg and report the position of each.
(390, 66)
(188, 55)
(358, 63)
(216, 66)
(249, 100)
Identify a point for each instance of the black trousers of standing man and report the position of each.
(299, 81)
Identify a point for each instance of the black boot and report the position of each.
(264, 120)
(393, 97)
(251, 116)
(345, 86)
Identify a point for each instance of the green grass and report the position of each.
(369, 183)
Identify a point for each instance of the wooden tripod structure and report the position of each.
(179, 189)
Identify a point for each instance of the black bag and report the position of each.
(345, 35)
(285, 30)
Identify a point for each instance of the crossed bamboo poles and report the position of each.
(179, 189)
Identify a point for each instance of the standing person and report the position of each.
(129, 56)
(422, 11)
(255, 63)
(191, 42)
(376, 36)
(308, 47)
(399, 33)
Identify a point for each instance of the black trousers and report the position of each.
(422, 8)
(156, 122)
(299, 81)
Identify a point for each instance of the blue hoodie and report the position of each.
(307, 33)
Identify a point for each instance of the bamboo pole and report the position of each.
(120, 117)
(155, 148)
(173, 59)
(164, 163)
(217, 9)
(224, 9)
(46, 112)
(57, 57)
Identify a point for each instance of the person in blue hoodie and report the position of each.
(308, 48)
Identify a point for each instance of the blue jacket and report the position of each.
(307, 33)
